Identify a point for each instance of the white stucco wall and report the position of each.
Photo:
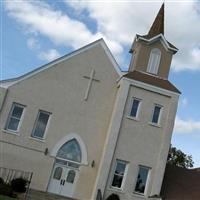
(141, 143)
(60, 90)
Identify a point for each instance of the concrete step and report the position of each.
(39, 195)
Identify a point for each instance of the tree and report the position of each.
(178, 158)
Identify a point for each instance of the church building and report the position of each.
(86, 129)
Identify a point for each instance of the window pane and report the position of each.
(41, 125)
(17, 112)
(134, 108)
(74, 165)
(141, 179)
(120, 168)
(117, 181)
(13, 124)
(70, 151)
(57, 173)
(156, 114)
(71, 176)
(154, 61)
(62, 162)
(14, 117)
(119, 174)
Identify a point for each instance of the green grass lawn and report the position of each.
(6, 198)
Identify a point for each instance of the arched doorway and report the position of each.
(66, 169)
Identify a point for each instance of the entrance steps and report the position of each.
(38, 195)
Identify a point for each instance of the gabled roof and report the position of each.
(150, 40)
(8, 82)
(152, 80)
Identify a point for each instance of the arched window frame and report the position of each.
(154, 61)
(63, 154)
(84, 160)
(57, 173)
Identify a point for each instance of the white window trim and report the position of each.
(159, 118)
(46, 129)
(6, 129)
(153, 69)
(147, 181)
(138, 110)
(124, 176)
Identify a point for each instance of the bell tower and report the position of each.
(152, 53)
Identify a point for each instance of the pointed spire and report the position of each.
(158, 24)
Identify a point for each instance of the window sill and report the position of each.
(132, 118)
(11, 132)
(37, 139)
(155, 125)
(116, 190)
(139, 195)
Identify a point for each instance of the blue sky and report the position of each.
(36, 32)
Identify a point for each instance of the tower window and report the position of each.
(135, 107)
(142, 179)
(119, 173)
(156, 114)
(154, 61)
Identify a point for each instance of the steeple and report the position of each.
(158, 24)
(152, 53)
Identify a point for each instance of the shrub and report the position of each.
(113, 197)
(19, 185)
(6, 190)
(1, 181)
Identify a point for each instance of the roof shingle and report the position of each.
(152, 80)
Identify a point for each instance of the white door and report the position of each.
(63, 180)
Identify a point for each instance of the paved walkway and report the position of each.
(38, 195)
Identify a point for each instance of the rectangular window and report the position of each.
(119, 173)
(15, 116)
(135, 108)
(142, 179)
(156, 114)
(40, 125)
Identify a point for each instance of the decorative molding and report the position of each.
(67, 138)
(24, 147)
(164, 41)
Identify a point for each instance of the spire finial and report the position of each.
(158, 24)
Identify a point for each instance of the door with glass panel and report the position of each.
(66, 169)
(64, 178)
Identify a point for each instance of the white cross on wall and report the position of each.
(91, 79)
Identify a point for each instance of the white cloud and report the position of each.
(184, 102)
(32, 43)
(186, 126)
(196, 55)
(122, 20)
(49, 55)
(42, 19)
(117, 22)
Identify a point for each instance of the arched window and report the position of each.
(154, 61)
(57, 173)
(70, 151)
(71, 176)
